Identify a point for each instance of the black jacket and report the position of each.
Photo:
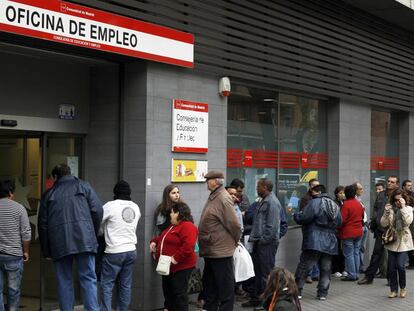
(375, 223)
(284, 303)
(69, 218)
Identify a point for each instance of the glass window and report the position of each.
(278, 136)
(384, 148)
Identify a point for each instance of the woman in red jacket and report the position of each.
(179, 242)
(350, 232)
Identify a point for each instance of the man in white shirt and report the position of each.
(119, 225)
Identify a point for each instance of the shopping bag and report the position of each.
(248, 245)
(243, 264)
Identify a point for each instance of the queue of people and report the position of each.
(71, 218)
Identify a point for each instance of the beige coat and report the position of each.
(404, 240)
(219, 228)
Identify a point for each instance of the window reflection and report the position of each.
(278, 136)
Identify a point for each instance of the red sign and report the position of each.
(73, 24)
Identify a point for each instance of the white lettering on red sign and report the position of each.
(77, 25)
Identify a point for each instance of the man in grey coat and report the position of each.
(265, 236)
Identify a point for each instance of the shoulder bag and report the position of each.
(164, 262)
(389, 236)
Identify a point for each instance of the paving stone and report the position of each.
(349, 296)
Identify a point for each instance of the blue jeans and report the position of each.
(11, 267)
(309, 258)
(351, 248)
(87, 278)
(396, 269)
(117, 268)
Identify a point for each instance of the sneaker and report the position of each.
(308, 280)
(299, 294)
(403, 293)
(321, 298)
(344, 274)
(337, 275)
(392, 295)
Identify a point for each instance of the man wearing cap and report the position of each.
(69, 219)
(219, 234)
(119, 224)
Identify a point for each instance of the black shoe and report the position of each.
(409, 267)
(347, 279)
(251, 303)
(365, 281)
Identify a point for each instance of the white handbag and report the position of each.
(164, 262)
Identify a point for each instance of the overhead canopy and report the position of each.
(389, 10)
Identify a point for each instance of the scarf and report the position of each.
(398, 219)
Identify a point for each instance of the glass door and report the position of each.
(21, 156)
(28, 158)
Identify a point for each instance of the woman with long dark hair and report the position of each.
(170, 196)
(398, 216)
(281, 293)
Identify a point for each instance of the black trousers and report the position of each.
(411, 258)
(338, 261)
(264, 257)
(375, 261)
(218, 282)
(174, 287)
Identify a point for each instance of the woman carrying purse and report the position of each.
(178, 242)
(397, 217)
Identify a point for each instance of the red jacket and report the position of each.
(179, 243)
(352, 214)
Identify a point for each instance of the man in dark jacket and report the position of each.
(69, 219)
(393, 183)
(320, 218)
(265, 236)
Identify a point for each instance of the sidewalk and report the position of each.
(348, 296)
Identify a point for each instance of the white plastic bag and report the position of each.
(248, 245)
(243, 264)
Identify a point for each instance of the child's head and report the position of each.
(280, 279)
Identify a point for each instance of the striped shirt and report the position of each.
(14, 227)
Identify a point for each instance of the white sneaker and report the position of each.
(337, 274)
(344, 274)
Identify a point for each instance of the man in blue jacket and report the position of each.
(69, 219)
(265, 236)
(320, 218)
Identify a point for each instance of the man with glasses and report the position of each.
(393, 183)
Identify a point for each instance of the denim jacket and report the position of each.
(266, 221)
(320, 218)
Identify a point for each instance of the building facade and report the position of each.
(319, 89)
